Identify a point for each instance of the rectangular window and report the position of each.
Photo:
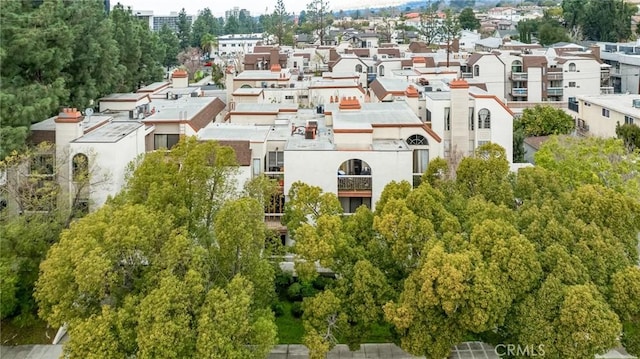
(480, 143)
(420, 160)
(165, 141)
(447, 148)
(303, 97)
(288, 97)
(447, 119)
(355, 202)
(428, 116)
(572, 84)
(275, 161)
(471, 121)
(605, 112)
(256, 167)
(628, 120)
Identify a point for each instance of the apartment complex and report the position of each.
(599, 115)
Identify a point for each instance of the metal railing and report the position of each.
(555, 91)
(519, 91)
(606, 90)
(467, 75)
(519, 76)
(354, 183)
(554, 76)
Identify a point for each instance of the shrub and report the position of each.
(321, 282)
(296, 310)
(278, 308)
(283, 280)
(307, 290)
(293, 293)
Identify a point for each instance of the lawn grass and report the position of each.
(290, 330)
(34, 333)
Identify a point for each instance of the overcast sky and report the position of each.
(256, 7)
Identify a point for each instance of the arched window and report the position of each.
(572, 67)
(381, 70)
(80, 167)
(417, 140)
(516, 66)
(358, 68)
(484, 119)
(420, 147)
(245, 86)
(476, 70)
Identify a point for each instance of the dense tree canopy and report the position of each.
(530, 258)
(70, 54)
(166, 269)
(545, 120)
(468, 19)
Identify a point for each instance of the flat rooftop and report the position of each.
(110, 132)
(395, 85)
(129, 96)
(234, 132)
(261, 75)
(267, 108)
(184, 108)
(622, 103)
(380, 113)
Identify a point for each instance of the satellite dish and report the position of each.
(88, 111)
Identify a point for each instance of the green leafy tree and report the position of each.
(170, 45)
(126, 34)
(204, 24)
(592, 160)
(318, 17)
(209, 44)
(449, 30)
(630, 134)
(280, 25)
(468, 20)
(545, 120)
(184, 29)
(608, 20)
(232, 26)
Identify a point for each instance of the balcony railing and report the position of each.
(606, 90)
(554, 91)
(519, 76)
(554, 76)
(354, 183)
(519, 91)
(467, 75)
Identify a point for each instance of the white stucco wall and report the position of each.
(492, 72)
(319, 168)
(108, 164)
(586, 77)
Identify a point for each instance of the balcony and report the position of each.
(467, 75)
(519, 76)
(278, 176)
(606, 90)
(354, 183)
(554, 91)
(519, 92)
(554, 76)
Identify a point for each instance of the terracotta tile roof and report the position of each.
(419, 47)
(276, 68)
(534, 61)
(207, 114)
(474, 58)
(458, 84)
(179, 73)
(411, 92)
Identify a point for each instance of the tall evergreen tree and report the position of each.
(170, 45)
(184, 29)
(280, 25)
(318, 18)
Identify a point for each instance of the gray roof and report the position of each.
(233, 132)
(111, 132)
(397, 112)
(184, 108)
(263, 107)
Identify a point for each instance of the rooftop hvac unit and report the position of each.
(636, 103)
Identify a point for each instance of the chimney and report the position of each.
(349, 103)
(274, 57)
(595, 50)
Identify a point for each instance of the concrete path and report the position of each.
(341, 351)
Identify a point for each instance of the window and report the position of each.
(80, 167)
(447, 148)
(381, 70)
(428, 116)
(417, 140)
(605, 112)
(42, 164)
(420, 160)
(358, 68)
(303, 97)
(447, 119)
(480, 143)
(295, 64)
(572, 84)
(471, 121)
(275, 161)
(476, 70)
(516, 66)
(256, 167)
(288, 97)
(484, 119)
(165, 141)
(628, 120)
(572, 67)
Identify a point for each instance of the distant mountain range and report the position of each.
(405, 5)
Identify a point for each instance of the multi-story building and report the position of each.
(170, 20)
(599, 115)
(624, 60)
(238, 43)
(235, 12)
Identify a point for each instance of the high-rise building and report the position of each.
(107, 5)
(235, 12)
(171, 20)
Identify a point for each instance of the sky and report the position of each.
(255, 7)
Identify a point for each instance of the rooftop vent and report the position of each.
(636, 103)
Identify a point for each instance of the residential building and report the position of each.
(238, 43)
(235, 12)
(599, 115)
(624, 60)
